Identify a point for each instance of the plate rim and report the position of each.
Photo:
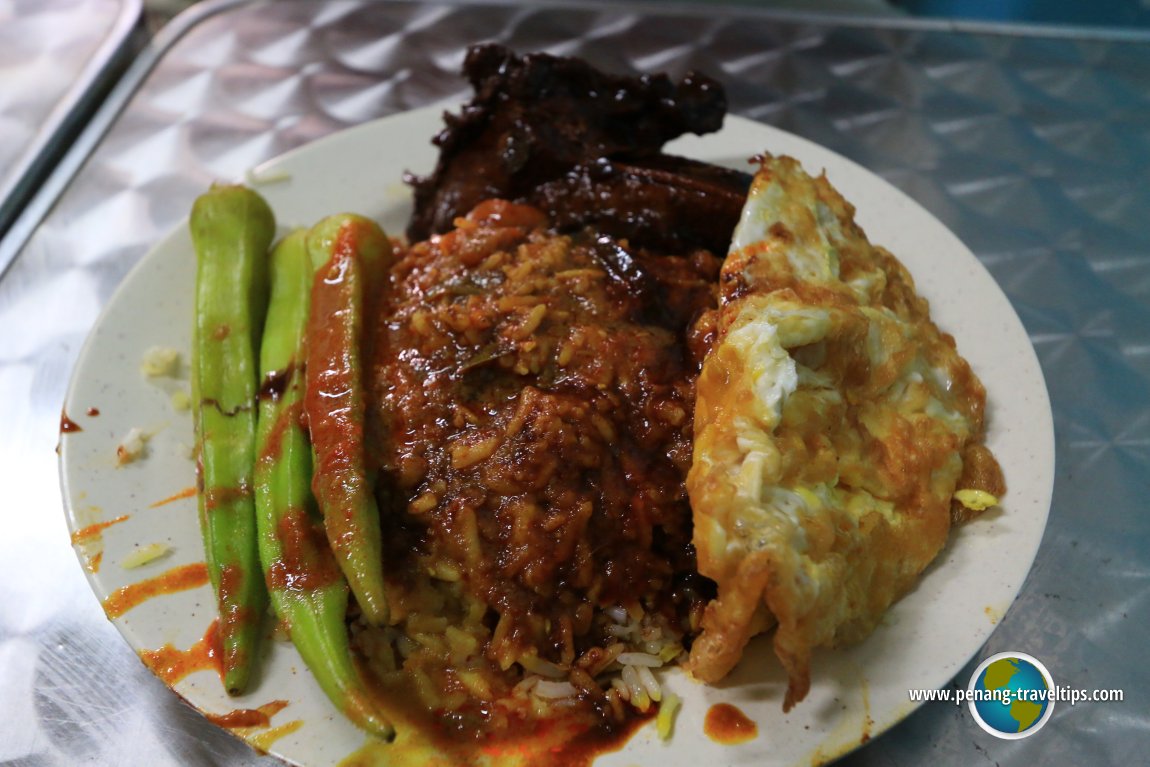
(768, 133)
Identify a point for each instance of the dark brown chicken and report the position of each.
(585, 147)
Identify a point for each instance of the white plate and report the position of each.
(856, 693)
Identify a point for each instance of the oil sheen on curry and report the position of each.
(534, 400)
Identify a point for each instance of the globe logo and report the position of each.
(1011, 695)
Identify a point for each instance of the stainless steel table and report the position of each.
(1032, 145)
(57, 58)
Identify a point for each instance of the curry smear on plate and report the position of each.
(181, 578)
(172, 664)
(67, 425)
(248, 717)
(187, 492)
(559, 741)
(95, 530)
(727, 724)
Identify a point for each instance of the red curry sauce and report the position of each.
(172, 664)
(67, 425)
(176, 579)
(93, 531)
(533, 396)
(726, 724)
(248, 717)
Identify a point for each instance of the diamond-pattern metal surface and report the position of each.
(50, 52)
(1033, 149)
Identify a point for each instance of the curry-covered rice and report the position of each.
(533, 394)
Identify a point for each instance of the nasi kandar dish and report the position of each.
(604, 411)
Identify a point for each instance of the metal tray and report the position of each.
(1030, 144)
(58, 58)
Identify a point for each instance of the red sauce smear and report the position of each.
(93, 563)
(187, 492)
(287, 418)
(177, 579)
(67, 425)
(728, 725)
(580, 751)
(249, 717)
(85, 534)
(172, 664)
(232, 615)
(93, 411)
(561, 741)
(222, 496)
(306, 563)
(333, 395)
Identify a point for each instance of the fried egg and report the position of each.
(834, 425)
